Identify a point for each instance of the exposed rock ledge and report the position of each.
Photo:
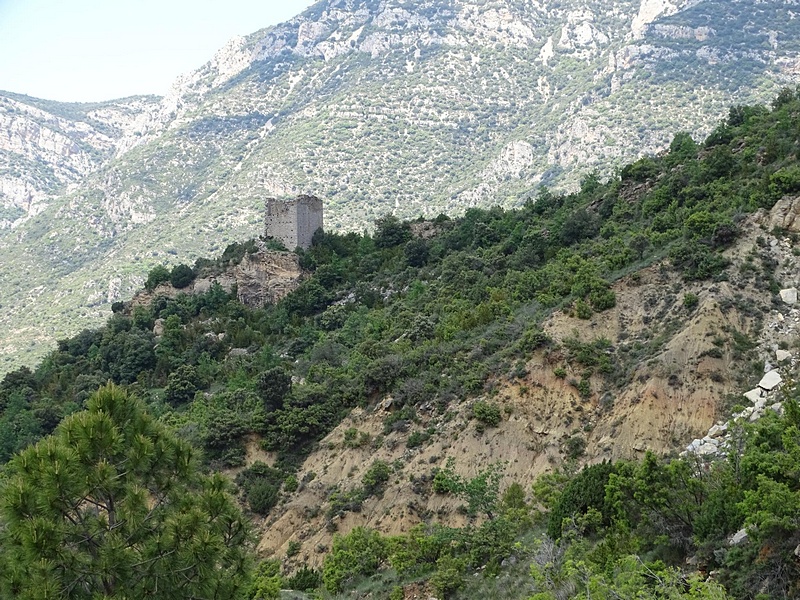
(785, 214)
(261, 278)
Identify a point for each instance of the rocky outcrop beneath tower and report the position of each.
(266, 277)
(262, 278)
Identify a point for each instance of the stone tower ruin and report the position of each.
(293, 222)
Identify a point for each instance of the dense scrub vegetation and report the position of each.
(433, 312)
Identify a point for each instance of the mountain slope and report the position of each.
(400, 376)
(49, 147)
(411, 107)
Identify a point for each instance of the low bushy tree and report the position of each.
(181, 276)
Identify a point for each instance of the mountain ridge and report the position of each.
(376, 107)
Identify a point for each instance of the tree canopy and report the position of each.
(112, 505)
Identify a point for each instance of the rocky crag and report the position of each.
(264, 277)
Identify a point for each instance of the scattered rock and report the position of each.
(782, 355)
(753, 395)
(767, 366)
(158, 327)
(707, 448)
(770, 381)
(510, 561)
(238, 352)
(717, 430)
(738, 538)
(789, 295)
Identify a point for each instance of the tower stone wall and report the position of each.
(293, 222)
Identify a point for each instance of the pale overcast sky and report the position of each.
(86, 50)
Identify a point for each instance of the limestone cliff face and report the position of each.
(47, 148)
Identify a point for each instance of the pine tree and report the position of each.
(112, 506)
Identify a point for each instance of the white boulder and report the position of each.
(789, 295)
(738, 537)
(706, 449)
(753, 395)
(770, 381)
(717, 430)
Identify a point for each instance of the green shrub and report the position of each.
(359, 553)
(261, 484)
(293, 548)
(690, 300)
(785, 181)
(391, 231)
(397, 593)
(487, 413)
(643, 169)
(267, 581)
(376, 477)
(158, 275)
(290, 484)
(417, 438)
(449, 575)
(182, 384)
(586, 491)
(583, 310)
(353, 438)
(262, 496)
(697, 261)
(602, 298)
(305, 580)
(181, 276)
(446, 481)
(574, 447)
(399, 420)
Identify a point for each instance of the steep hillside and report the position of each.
(47, 148)
(678, 369)
(444, 380)
(417, 107)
